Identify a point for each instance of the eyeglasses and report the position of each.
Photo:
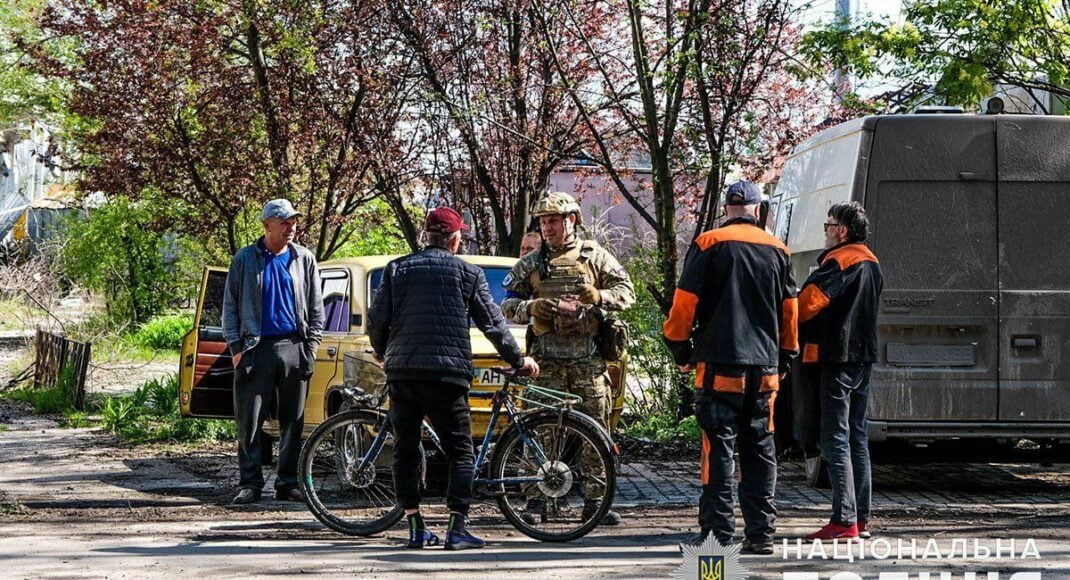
(827, 226)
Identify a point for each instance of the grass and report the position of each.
(76, 420)
(49, 401)
(16, 313)
(4, 428)
(663, 427)
(151, 414)
(12, 508)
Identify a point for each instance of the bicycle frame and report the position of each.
(499, 400)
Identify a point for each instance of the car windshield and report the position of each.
(495, 276)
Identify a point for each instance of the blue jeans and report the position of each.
(844, 398)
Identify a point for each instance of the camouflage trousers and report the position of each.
(588, 378)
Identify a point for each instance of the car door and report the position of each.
(205, 357)
(336, 286)
(1034, 268)
(931, 199)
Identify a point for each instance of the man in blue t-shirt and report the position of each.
(273, 324)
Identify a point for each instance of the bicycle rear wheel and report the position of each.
(338, 491)
(577, 480)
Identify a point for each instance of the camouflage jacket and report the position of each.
(613, 283)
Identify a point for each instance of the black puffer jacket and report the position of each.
(419, 318)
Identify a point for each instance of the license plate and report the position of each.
(488, 378)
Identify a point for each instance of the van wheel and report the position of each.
(817, 473)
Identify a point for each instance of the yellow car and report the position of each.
(206, 373)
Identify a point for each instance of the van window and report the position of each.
(935, 235)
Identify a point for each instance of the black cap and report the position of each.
(743, 193)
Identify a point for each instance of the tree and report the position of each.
(698, 87)
(23, 92)
(498, 118)
(223, 104)
(958, 48)
(117, 252)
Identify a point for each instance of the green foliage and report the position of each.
(664, 427)
(961, 47)
(164, 332)
(76, 420)
(12, 507)
(118, 251)
(121, 416)
(49, 401)
(160, 395)
(374, 231)
(151, 414)
(23, 92)
(650, 363)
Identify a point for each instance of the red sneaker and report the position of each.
(835, 532)
(862, 531)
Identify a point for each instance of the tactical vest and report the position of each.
(568, 336)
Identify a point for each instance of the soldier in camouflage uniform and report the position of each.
(563, 291)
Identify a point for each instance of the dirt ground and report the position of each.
(77, 503)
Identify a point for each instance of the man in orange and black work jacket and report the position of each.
(838, 313)
(737, 293)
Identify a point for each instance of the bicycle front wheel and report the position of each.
(346, 474)
(564, 497)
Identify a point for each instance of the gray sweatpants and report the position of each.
(269, 374)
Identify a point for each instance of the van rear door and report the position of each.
(931, 199)
(1034, 268)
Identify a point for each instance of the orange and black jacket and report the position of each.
(838, 306)
(735, 303)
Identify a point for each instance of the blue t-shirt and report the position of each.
(277, 307)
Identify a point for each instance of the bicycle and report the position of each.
(543, 464)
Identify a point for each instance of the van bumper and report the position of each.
(932, 430)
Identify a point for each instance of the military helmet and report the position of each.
(557, 203)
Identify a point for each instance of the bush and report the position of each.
(663, 427)
(164, 332)
(152, 414)
(120, 415)
(50, 401)
(119, 252)
(656, 383)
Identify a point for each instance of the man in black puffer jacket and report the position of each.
(419, 325)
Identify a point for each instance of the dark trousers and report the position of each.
(726, 417)
(268, 376)
(844, 441)
(446, 405)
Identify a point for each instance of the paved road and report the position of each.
(74, 505)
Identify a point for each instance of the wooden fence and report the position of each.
(56, 353)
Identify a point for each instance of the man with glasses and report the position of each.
(838, 328)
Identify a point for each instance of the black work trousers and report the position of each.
(446, 406)
(727, 417)
(269, 375)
